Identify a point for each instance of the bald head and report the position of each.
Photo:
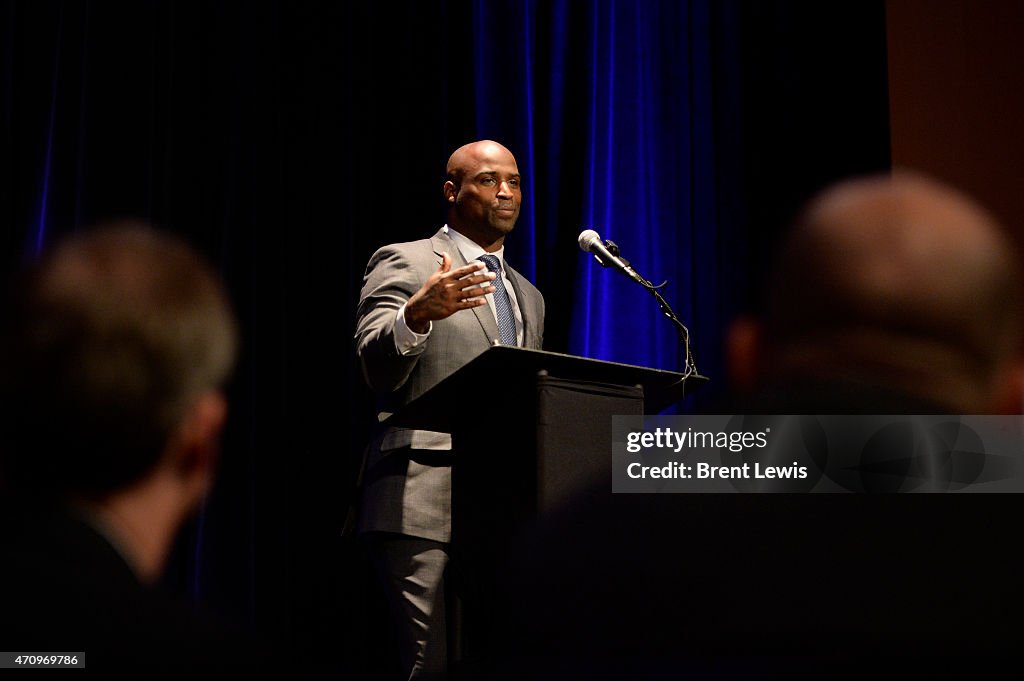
(899, 277)
(464, 159)
(483, 192)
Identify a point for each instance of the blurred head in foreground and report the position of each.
(113, 351)
(889, 285)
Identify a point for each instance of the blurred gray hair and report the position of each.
(110, 338)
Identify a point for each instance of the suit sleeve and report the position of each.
(389, 282)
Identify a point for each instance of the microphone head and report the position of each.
(588, 238)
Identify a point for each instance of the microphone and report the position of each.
(590, 242)
(607, 255)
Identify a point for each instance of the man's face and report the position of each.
(487, 200)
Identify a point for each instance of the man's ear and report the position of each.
(450, 191)
(744, 354)
(200, 441)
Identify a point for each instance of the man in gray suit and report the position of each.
(426, 309)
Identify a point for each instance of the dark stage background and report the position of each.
(289, 140)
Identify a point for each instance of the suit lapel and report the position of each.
(443, 243)
(524, 309)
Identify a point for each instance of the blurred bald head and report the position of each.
(897, 281)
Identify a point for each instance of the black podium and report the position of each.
(529, 428)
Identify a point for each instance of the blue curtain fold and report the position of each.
(642, 123)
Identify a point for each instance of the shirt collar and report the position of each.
(470, 249)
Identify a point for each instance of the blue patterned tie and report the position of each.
(506, 320)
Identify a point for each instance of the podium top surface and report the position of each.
(517, 365)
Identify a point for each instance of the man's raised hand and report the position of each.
(446, 292)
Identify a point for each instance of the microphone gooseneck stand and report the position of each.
(690, 367)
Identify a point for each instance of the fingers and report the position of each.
(473, 292)
(472, 285)
(472, 288)
(445, 267)
(446, 263)
(475, 280)
(473, 268)
(472, 302)
(449, 290)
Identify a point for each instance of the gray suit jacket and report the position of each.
(405, 489)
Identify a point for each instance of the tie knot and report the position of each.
(492, 262)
